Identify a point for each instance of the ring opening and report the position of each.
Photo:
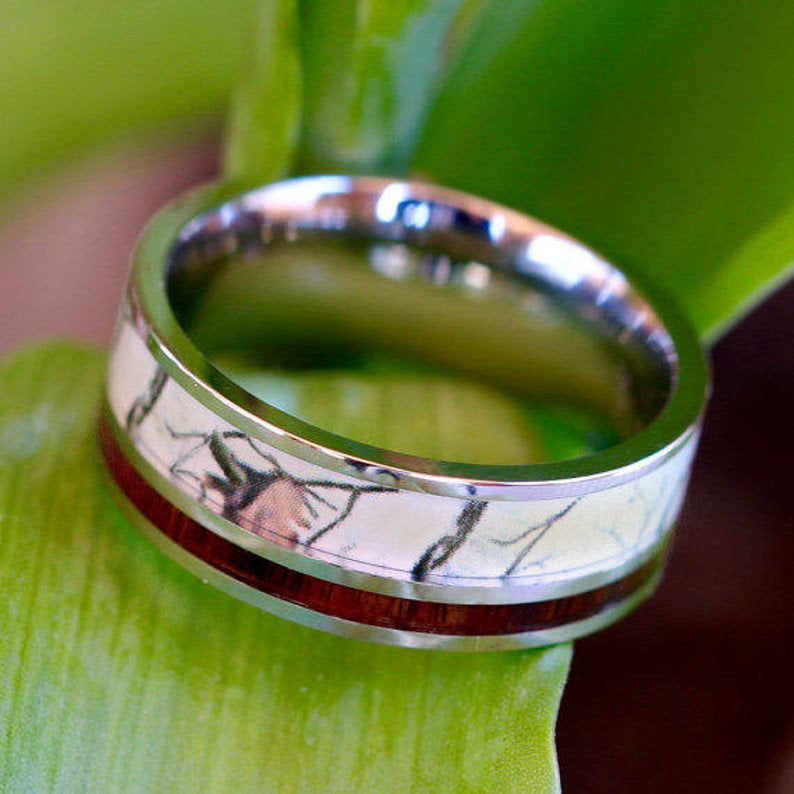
(327, 304)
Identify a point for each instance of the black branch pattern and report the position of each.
(143, 405)
(440, 551)
(531, 537)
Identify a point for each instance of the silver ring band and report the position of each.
(429, 553)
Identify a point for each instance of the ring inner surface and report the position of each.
(338, 302)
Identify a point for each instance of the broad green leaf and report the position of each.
(264, 118)
(77, 73)
(658, 132)
(121, 672)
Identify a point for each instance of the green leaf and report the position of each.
(658, 132)
(264, 118)
(371, 69)
(121, 672)
(78, 73)
(761, 265)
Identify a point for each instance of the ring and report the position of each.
(387, 544)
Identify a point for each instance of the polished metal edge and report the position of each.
(378, 634)
(622, 463)
(387, 581)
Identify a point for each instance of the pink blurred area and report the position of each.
(65, 244)
(692, 693)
